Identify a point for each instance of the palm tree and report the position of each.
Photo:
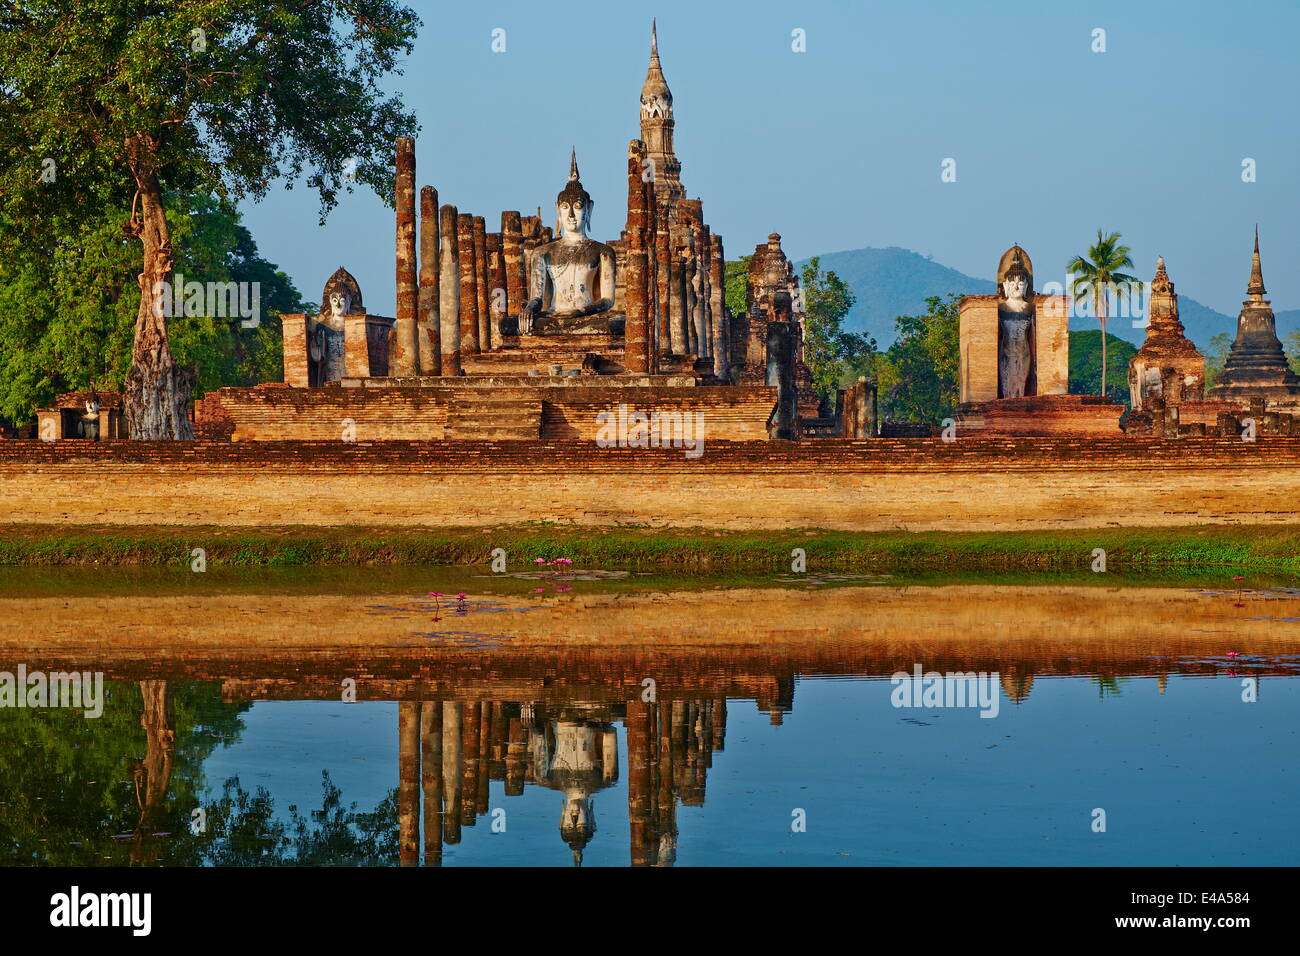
(1095, 274)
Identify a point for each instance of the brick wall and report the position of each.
(277, 413)
(880, 484)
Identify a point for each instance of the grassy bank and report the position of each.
(1258, 548)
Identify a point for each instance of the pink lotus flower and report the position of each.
(539, 560)
(460, 597)
(435, 594)
(1232, 653)
(1238, 578)
(538, 590)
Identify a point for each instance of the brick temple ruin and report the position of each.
(532, 331)
(1255, 390)
(537, 332)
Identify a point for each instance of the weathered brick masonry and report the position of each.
(883, 484)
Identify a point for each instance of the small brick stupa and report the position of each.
(1167, 369)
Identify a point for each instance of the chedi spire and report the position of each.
(1256, 288)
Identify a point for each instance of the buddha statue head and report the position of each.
(342, 295)
(1015, 279)
(573, 206)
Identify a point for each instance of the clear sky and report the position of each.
(841, 146)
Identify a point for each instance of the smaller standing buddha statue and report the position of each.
(1016, 366)
(342, 296)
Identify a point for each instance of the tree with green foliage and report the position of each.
(1291, 346)
(735, 284)
(80, 792)
(1086, 362)
(828, 350)
(1216, 356)
(1096, 275)
(68, 304)
(129, 102)
(918, 376)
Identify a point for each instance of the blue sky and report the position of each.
(841, 146)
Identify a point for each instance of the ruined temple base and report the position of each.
(1041, 415)
(1278, 397)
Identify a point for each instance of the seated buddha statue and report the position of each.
(573, 276)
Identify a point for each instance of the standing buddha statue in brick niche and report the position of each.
(1017, 366)
(342, 296)
(574, 274)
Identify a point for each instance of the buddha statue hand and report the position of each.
(528, 314)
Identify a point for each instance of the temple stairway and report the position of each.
(494, 418)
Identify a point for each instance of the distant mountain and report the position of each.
(892, 282)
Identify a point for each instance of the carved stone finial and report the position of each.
(1161, 281)
(573, 164)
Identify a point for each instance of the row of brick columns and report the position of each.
(452, 296)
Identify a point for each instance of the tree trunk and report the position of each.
(158, 721)
(1103, 307)
(157, 391)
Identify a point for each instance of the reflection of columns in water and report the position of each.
(484, 756)
(639, 761)
(449, 752)
(497, 762)
(431, 775)
(408, 789)
(469, 769)
(452, 713)
(779, 703)
(516, 758)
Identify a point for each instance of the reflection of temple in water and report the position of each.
(451, 750)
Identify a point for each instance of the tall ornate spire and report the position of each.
(573, 164)
(657, 130)
(1256, 288)
(655, 84)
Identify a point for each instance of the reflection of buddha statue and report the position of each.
(342, 296)
(1017, 374)
(573, 275)
(583, 761)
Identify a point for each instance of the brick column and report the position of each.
(512, 248)
(294, 343)
(497, 288)
(449, 290)
(481, 284)
(430, 337)
(718, 303)
(469, 340)
(405, 355)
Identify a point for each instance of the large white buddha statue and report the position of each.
(573, 275)
(1017, 372)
